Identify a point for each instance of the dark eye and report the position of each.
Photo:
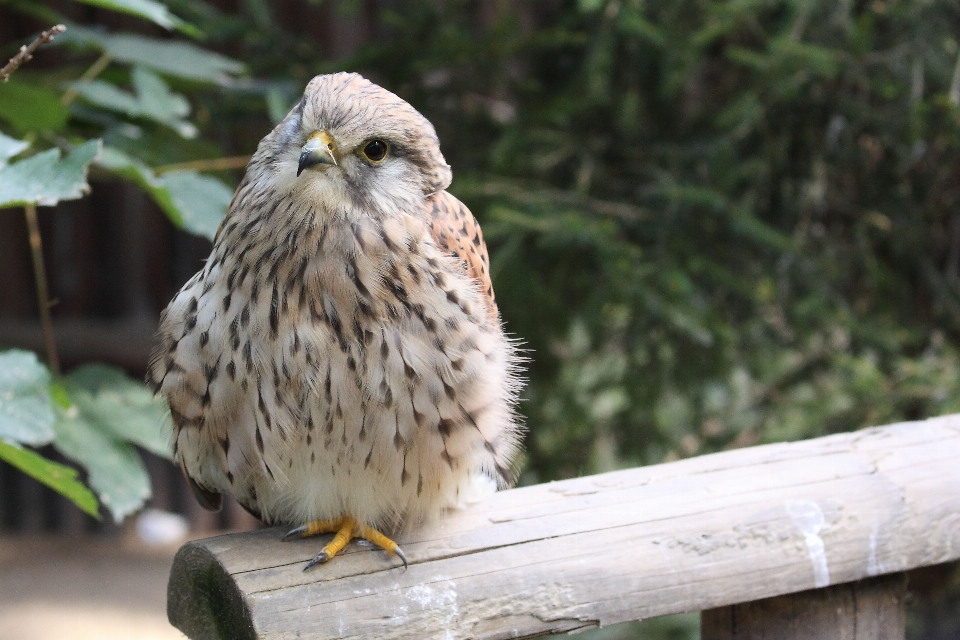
(375, 151)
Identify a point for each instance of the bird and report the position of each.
(339, 363)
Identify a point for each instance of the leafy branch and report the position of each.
(95, 415)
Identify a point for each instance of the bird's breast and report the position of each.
(352, 367)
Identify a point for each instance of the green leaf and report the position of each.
(107, 95)
(114, 469)
(58, 477)
(25, 412)
(179, 59)
(99, 412)
(132, 169)
(590, 6)
(759, 60)
(153, 100)
(201, 200)
(44, 179)
(817, 59)
(148, 10)
(278, 104)
(157, 101)
(121, 406)
(192, 201)
(31, 109)
(9, 147)
(635, 24)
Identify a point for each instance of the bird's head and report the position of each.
(351, 142)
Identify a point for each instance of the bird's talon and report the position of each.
(398, 551)
(346, 529)
(320, 558)
(296, 531)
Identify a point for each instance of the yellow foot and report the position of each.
(346, 530)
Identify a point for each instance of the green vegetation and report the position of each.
(55, 127)
(712, 223)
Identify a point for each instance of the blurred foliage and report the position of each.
(91, 416)
(713, 223)
(129, 91)
(116, 115)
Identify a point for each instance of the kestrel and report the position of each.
(339, 363)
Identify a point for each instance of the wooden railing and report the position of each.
(837, 518)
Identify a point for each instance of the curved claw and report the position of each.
(320, 558)
(346, 529)
(296, 531)
(403, 556)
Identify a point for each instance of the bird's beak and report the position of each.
(320, 151)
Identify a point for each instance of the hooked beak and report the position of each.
(321, 149)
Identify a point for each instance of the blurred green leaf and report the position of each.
(58, 477)
(121, 406)
(818, 59)
(30, 108)
(590, 6)
(192, 201)
(148, 10)
(96, 413)
(25, 412)
(10, 147)
(179, 59)
(45, 179)
(202, 201)
(152, 100)
(115, 471)
(278, 104)
(636, 24)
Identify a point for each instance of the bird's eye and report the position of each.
(375, 150)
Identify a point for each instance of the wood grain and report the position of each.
(871, 609)
(691, 535)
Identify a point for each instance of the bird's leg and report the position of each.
(344, 535)
(346, 529)
(382, 541)
(315, 528)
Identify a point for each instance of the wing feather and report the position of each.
(455, 230)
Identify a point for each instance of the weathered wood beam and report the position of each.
(691, 535)
(872, 609)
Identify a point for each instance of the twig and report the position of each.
(954, 93)
(216, 164)
(43, 299)
(26, 52)
(535, 194)
(95, 69)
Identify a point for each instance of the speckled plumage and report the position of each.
(341, 354)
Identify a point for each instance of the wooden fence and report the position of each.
(833, 521)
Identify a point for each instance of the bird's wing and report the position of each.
(209, 500)
(456, 231)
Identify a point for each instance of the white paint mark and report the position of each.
(341, 627)
(400, 611)
(439, 599)
(808, 519)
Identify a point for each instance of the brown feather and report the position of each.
(456, 231)
(209, 500)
